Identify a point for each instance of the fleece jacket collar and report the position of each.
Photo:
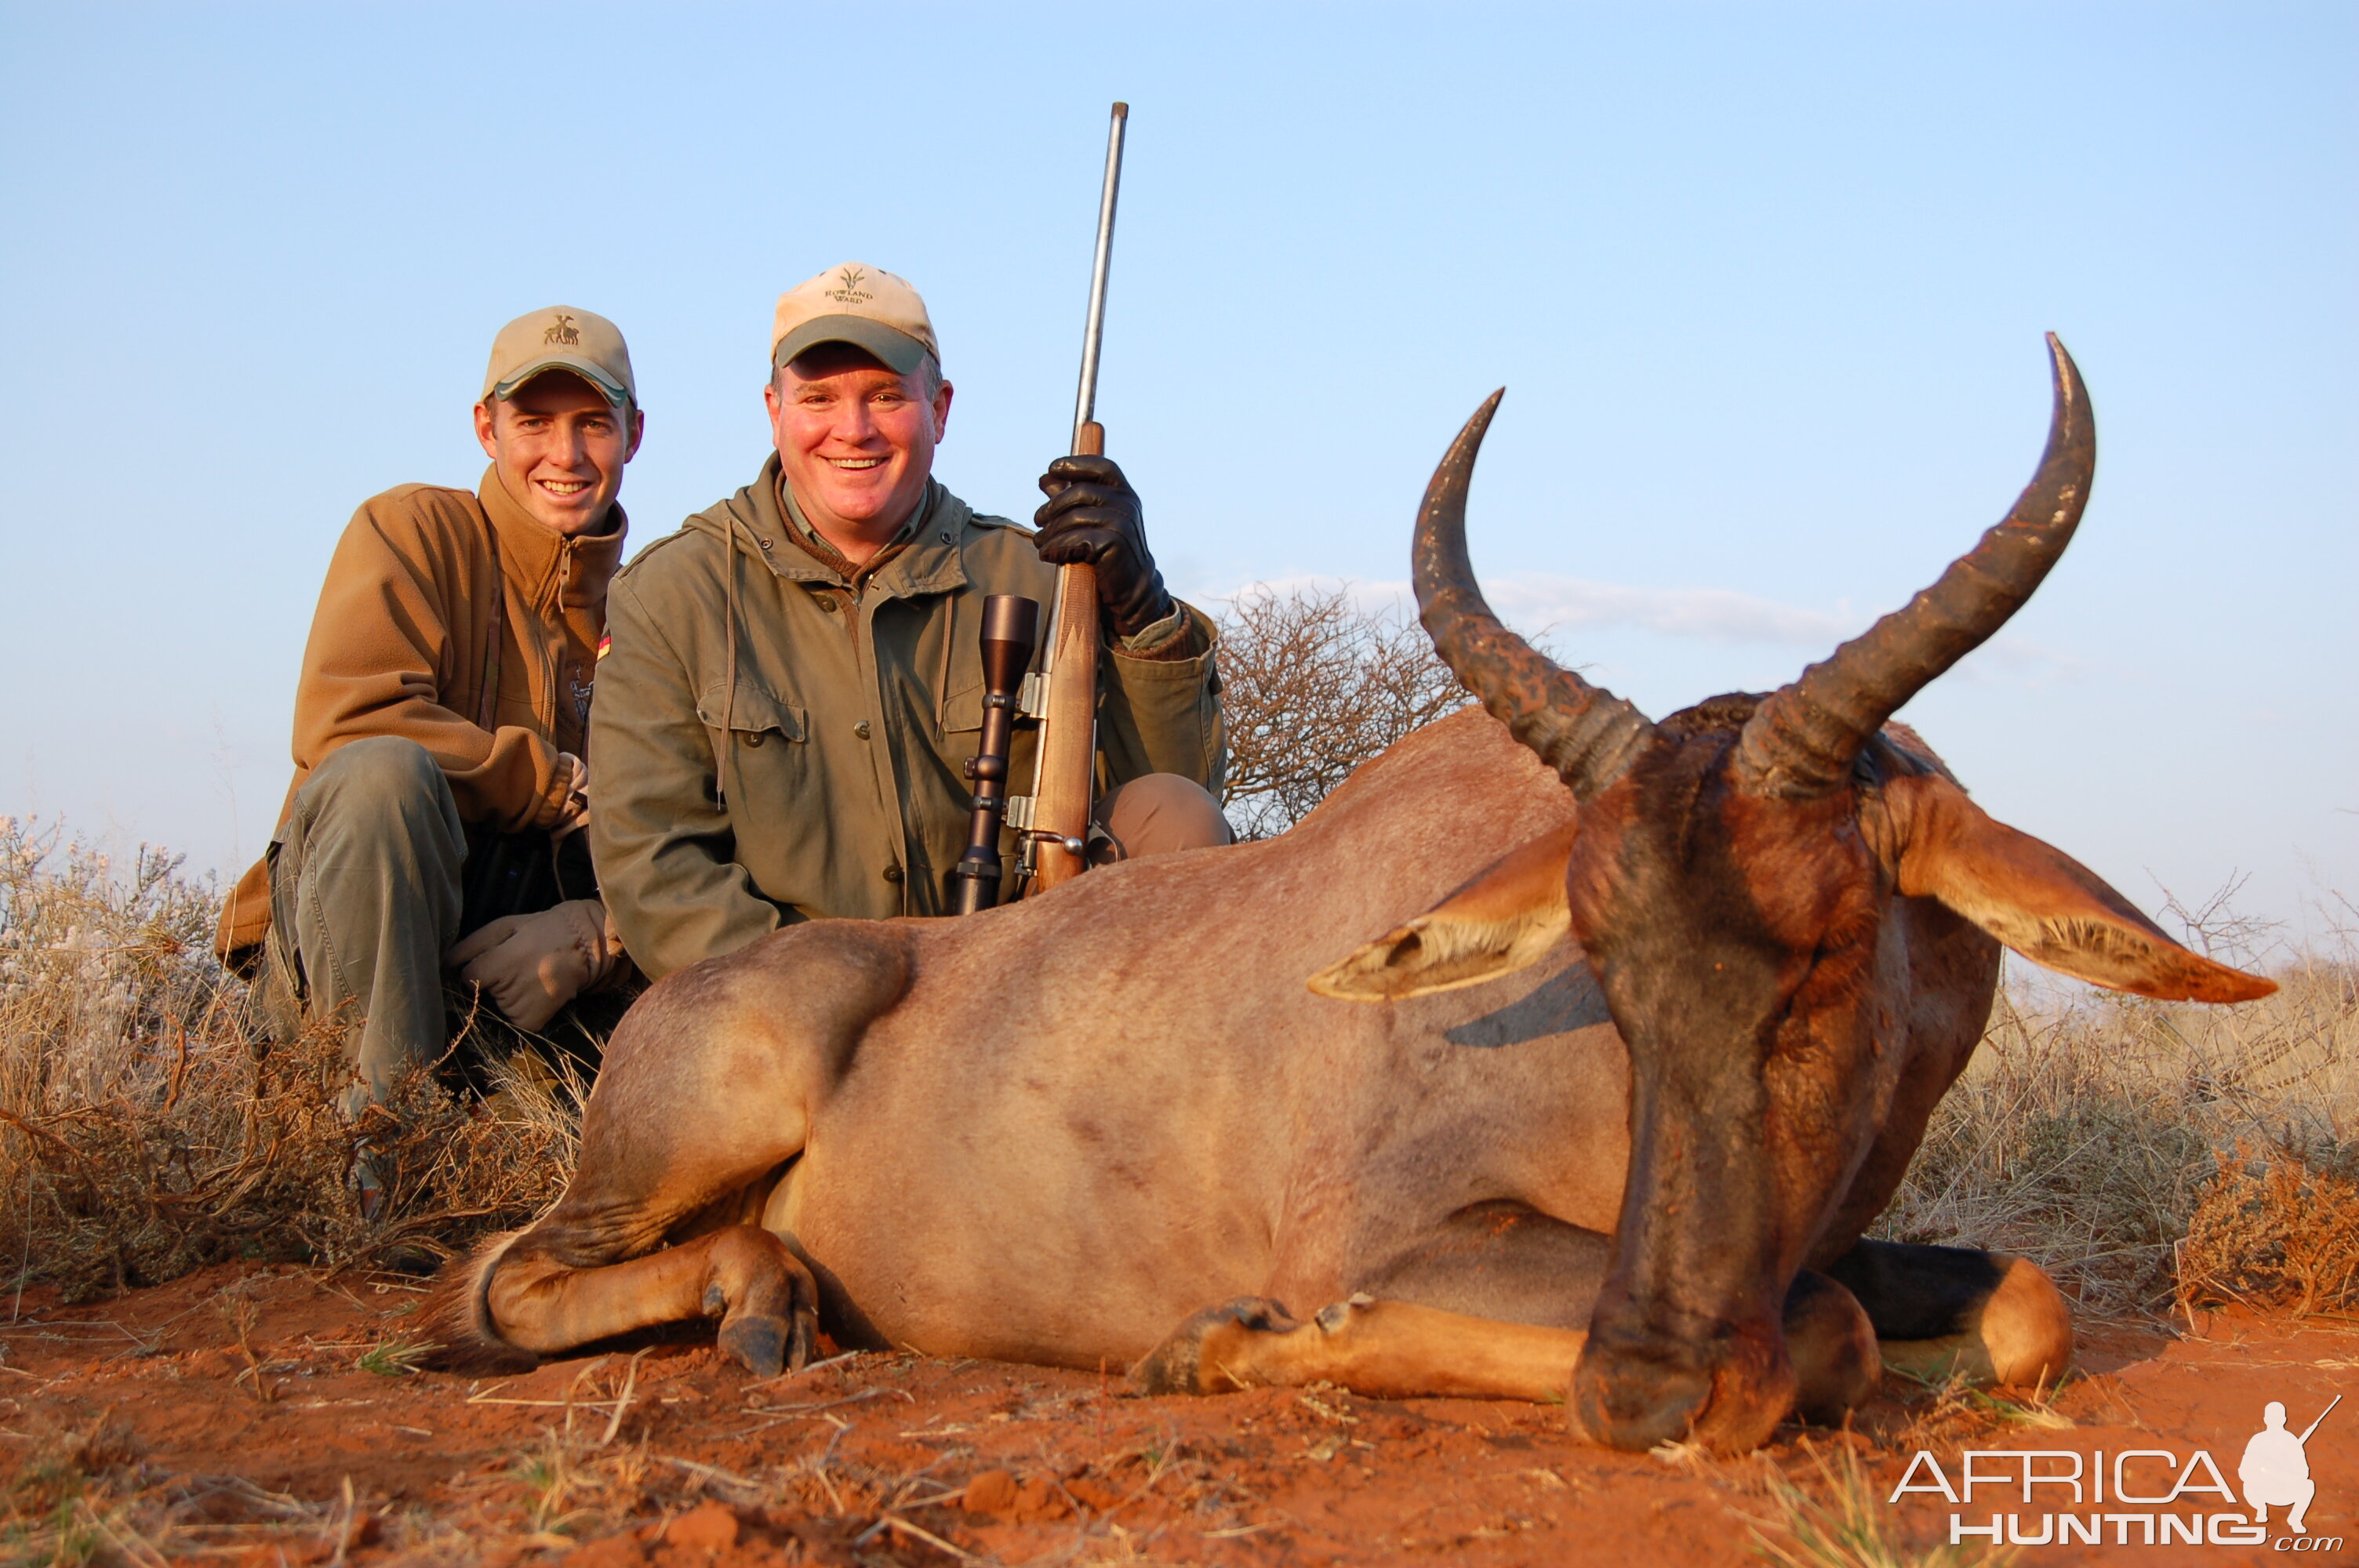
(545, 566)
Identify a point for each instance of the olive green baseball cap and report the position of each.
(864, 305)
(561, 338)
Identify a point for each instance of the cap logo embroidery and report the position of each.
(565, 332)
(848, 290)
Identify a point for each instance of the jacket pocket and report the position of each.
(753, 715)
(774, 788)
(962, 708)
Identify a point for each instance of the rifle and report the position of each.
(1011, 629)
(1057, 831)
(2329, 1410)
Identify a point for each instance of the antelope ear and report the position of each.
(1501, 922)
(2042, 903)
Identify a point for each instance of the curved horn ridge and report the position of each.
(1800, 743)
(1586, 733)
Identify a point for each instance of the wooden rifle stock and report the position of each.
(1069, 737)
(1069, 721)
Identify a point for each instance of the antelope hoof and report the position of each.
(762, 1343)
(2028, 1328)
(1832, 1346)
(2020, 1338)
(1198, 1355)
(764, 1297)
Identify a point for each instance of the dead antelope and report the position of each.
(1659, 1020)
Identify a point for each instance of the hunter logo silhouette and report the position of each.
(564, 333)
(848, 290)
(2276, 1467)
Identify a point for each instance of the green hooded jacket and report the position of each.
(820, 771)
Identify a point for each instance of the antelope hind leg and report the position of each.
(766, 1299)
(704, 1096)
(1941, 1311)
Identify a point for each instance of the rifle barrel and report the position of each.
(1086, 402)
(2321, 1417)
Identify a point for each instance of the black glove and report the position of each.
(1093, 516)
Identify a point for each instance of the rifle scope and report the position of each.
(1011, 629)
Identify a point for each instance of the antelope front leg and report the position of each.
(1388, 1349)
(1380, 1349)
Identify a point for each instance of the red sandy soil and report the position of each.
(284, 1449)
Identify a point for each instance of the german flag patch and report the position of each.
(605, 643)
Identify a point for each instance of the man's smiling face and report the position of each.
(560, 447)
(856, 441)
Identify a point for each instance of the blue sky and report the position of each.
(1766, 285)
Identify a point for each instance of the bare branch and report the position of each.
(1313, 685)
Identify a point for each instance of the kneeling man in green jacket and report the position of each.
(793, 682)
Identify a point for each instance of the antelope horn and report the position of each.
(1586, 733)
(1801, 741)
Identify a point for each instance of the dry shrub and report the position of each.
(2271, 1230)
(148, 1127)
(2091, 1127)
(1312, 685)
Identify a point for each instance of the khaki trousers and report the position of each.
(373, 879)
(1154, 816)
(365, 896)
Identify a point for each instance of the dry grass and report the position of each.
(2133, 1147)
(83, 1496)
(64, 1498)
(148, 1126)
(1834, 1516)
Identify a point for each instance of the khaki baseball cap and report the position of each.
(561, 338)
(864, 305)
